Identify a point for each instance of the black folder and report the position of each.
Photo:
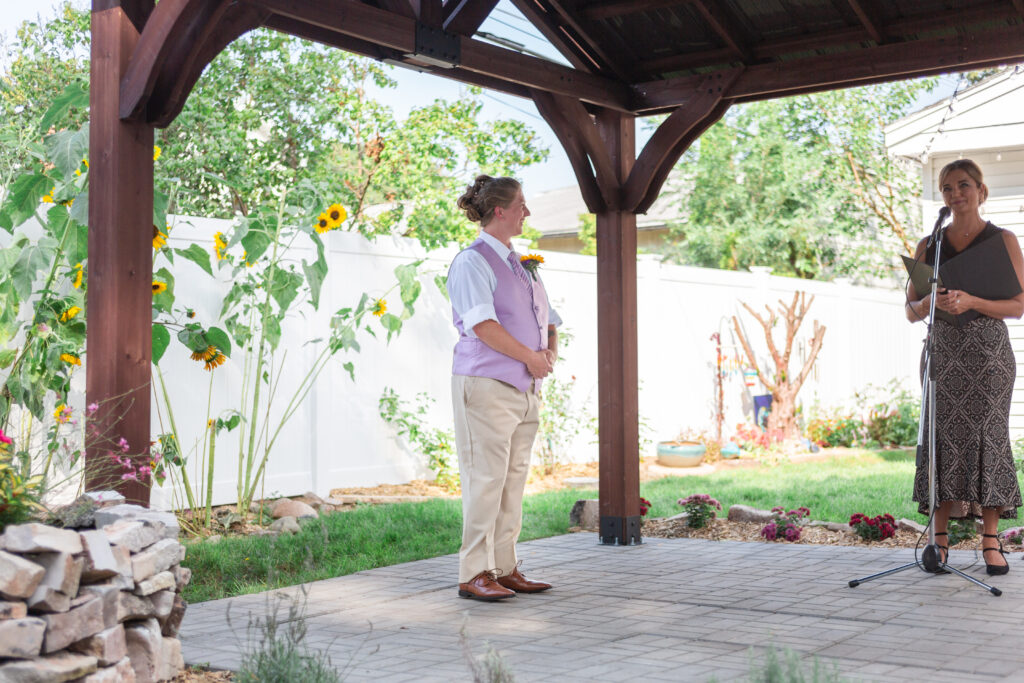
(984, 270)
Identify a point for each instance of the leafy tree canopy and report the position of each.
(272, 110)
(801, 184)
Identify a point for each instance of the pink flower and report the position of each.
(4, 439)
(92, 408)
(123, 445)
(129, 475)
(145, 471)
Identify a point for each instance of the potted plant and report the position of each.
(681, 452)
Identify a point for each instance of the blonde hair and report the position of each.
(485, 194)
(971, 169)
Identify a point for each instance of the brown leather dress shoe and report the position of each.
(484, 587)
(521, 584)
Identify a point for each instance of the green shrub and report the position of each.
(20, 492)
(836, 431)
(893, 422)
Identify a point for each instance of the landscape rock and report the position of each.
(68, 627)
(111, 515)
(157, 582)
(182, 576)
(157, 558)
(63, 666)
(586, 514)
(18, 577)
(324, 508)
(63, 572)
(131, 607)
(121, 672)
(145, 649)
(108, 646)
(745, 513)
(910, 525)
(171, 661)
(106, 498)
(312, 499)
(682, 516)
(286, 507)
(100, 562)
(172, 622)
(47, 599)
(78, 514)
(287, 525)
(21, 637)
(163, 603)
(40, 538)
(333, 501)
(12, 610)
(134, 535)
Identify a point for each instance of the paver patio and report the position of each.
(670, 609)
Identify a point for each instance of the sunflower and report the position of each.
(336, 214)
(219, 245)
(159, 287)
(217, 360)
(156, 152)
(70, 359)
(79, 272)
(206, 354)
(159, 238)
(48, 197)
(380, 307)
(70, 313)
(323, 223)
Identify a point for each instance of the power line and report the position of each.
(511, 106)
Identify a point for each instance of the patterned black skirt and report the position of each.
(975, 370)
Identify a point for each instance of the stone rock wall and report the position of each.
(93, 604)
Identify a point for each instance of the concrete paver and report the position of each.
(669, 609)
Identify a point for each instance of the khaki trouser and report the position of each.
(495, 424)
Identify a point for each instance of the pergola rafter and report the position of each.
(704, 56)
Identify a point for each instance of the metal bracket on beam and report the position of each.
(621, 530)
(437, 47)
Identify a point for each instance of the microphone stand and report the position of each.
(931, 559)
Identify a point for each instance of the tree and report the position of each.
(273, 110)
(801, 184)
(783, 386)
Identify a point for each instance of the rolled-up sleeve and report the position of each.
(471, 286)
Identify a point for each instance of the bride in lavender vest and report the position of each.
(508, 342)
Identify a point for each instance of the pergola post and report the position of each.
(618, 410)
(119, 302)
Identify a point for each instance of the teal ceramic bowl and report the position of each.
(672, 454)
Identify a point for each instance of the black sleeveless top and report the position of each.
(948, 252)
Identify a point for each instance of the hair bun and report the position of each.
(468, 201)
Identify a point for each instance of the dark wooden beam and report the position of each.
(725, 27)
(864, 16)
(572, 142)
(137, 11)
(400, 7)
(673, 137)
(549, 28)
(617, 370)
(119, 300)
(705, 58)
(378, 26)
(465, 16)
(1019, 6)
(856, 67)
(585, 42)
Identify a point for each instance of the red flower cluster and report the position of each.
(876, 528)
(785, 525)
(645, 505)
(753, 436)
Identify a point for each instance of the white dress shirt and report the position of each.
(471, 284)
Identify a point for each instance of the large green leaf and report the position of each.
(164, 301)
(160, 202)
(75, 95)
(392, 323)
(161, 339)
(197, 255)
(315, 273)
(23, 200)
(219, 338)
(33, 258)
(285, 287)
(80, 207)
(77, 244)
(68, 148)
(256, 240)
(409, 285)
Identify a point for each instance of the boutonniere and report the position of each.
(530, 263)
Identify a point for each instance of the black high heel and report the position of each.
(995, 569)
(942, 559)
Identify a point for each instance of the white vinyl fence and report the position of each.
(339, 439)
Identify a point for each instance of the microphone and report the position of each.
(943, 215)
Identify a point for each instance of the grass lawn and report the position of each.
(872, 482)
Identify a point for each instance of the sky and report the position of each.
(420, 89)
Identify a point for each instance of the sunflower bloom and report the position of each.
(159, 237)
(48, 197)
(156, 152)
(323, 224)
(336, 214)
(219, 245)
(70, 359)
(70, 313)
(79, 271)
(216, 361)
(208, 353)
(380, 307)
(62, 414)
(159, 287)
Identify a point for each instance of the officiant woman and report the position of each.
(975, 371)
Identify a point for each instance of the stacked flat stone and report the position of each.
(93, 605)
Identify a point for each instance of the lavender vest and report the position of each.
(523, 314)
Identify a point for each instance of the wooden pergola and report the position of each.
(687, 59)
